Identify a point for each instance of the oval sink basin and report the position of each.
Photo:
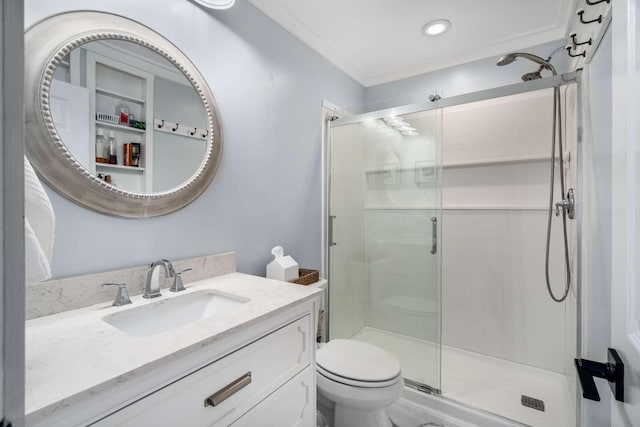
(170, 313)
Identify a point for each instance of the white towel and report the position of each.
(39, 227)
(37, 267)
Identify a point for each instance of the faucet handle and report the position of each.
(178, 285)
(122, 298)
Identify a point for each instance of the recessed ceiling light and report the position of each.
(216, 4)
(436, 28)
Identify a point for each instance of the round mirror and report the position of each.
(118, 119)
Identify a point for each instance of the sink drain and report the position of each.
(532, 402)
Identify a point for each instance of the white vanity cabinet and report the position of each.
(269, 382)
(251, 365)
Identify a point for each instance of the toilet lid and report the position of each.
(357, 360)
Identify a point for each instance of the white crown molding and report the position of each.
(279, 12)
(282, 16)
(442, 62)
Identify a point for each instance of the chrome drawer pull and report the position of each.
(227, 391)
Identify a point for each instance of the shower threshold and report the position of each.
(479, 381)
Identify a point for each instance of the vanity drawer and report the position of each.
(276, 410)
(221, 392)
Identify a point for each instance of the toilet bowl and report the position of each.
(356, 383)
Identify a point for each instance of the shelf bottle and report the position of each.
(102, 150)
(113, 148)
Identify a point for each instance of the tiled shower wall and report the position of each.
(495, 196)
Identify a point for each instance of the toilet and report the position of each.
(356, 383)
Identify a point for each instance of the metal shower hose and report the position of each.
(557, 120)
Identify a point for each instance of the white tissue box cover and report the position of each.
(283, 268)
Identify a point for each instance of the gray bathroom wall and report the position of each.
(269, 87)
(178, 103)
(459, 80)
(597, 219)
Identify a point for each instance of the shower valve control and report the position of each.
(567, 205)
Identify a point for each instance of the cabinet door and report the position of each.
(293, 404)
(233, 385)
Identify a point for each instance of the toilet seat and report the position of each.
(355, 383)
(357, 364)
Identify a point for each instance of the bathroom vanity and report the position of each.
(230, 350)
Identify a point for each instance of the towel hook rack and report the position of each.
(176, 128)
(160, 126)
(581, 15)
(193, 132)
(583, 53)
(576, 43)
(204, 135)
(593, 3)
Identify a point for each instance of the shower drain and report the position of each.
(532, 402)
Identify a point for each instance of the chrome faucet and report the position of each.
(152, 287)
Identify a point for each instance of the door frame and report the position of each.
(625, 274)
(12, 211)
(594, 322)
(328, 109)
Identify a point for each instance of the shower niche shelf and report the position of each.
(457, 208)
(475, 162)
(498, 161)
(495, 208)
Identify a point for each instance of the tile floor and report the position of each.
(407, 414)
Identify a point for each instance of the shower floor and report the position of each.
(480, 381)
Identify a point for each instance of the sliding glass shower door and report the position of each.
(384, 217)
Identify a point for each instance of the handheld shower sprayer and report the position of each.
(534, 75)
(557, 134)
(544, 63)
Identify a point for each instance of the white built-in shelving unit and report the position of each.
(110, 83)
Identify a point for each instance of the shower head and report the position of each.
(507, 59)
(544, 63)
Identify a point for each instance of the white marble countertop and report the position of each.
(75, 354)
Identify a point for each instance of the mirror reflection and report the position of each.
(129, 116)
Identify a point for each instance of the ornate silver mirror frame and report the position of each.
(46, 44)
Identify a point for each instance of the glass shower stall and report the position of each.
(384, 220)
(437, 216)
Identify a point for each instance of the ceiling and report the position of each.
(378, 41)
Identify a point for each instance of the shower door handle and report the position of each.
(330, 231)
(434, 235)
